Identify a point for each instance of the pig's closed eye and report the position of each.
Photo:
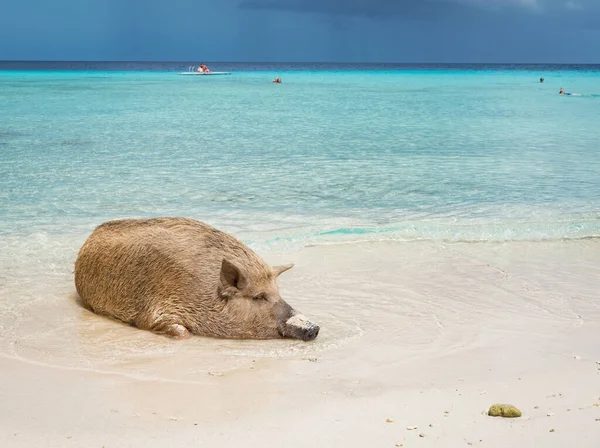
(260, 297)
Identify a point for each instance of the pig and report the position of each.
(180, 276)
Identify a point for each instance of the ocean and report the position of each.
(333, 154)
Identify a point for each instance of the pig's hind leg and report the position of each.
(171, 329)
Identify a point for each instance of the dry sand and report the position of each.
(413, 334)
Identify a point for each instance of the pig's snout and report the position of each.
(299, 327)
(311, 335)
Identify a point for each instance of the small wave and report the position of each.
(453, 240)
(293, 240)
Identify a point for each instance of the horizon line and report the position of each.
(286, 62)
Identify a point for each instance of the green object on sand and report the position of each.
(504, 410)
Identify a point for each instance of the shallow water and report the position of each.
(380, 306)
(329, 156)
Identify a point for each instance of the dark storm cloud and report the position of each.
(302, 30)
(431, 9)
(420, 9)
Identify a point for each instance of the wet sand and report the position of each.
(413, 334)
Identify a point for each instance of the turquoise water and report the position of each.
(327, 156)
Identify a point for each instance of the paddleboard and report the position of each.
(205, 74)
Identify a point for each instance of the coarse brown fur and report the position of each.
(177, 275)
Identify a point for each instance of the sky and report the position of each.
(417, 31)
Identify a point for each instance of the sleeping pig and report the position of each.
(177, 276)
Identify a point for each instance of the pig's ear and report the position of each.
(231, 275)
(277, 270)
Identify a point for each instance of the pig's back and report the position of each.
(130, 269)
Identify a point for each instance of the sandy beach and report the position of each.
(418, 334)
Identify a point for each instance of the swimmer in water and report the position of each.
(541, 79)
(277, 80)
(562, 92)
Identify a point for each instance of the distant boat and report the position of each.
(205, 74)
(192, 71)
